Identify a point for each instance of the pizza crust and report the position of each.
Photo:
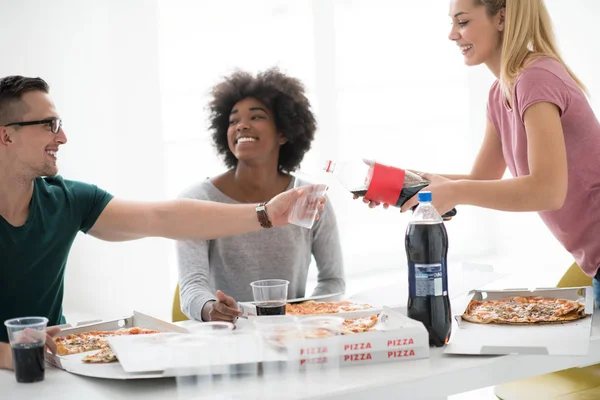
(333, 307)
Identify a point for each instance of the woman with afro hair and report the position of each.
(262, 126)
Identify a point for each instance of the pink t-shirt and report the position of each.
(577, 224)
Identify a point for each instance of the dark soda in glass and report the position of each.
(270, 308)
(28, 361)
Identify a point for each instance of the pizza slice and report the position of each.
(74, 344)
(106, 355)
(93, 340)
(359, 325)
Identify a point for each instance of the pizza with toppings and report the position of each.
(349, 327)
(105, 355)
(524, 310)
(94, 340)
(332, 307)
(359, 325)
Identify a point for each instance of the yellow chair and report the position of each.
(177, 314)
(570, 384)
(574, 277)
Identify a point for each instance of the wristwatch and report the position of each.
(263, 217)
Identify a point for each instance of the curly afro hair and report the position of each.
(286, 100)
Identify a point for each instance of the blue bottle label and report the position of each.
(427, 280)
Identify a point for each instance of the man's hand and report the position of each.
(50, 333)
(280, 206)
(5, 356)
(6, 361)
(224, 309)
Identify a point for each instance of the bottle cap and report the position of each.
(424, 196)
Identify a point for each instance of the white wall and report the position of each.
(101, 61)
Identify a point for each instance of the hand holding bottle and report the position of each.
(434, 182)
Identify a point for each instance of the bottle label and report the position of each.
(386, 184)
(429, 280)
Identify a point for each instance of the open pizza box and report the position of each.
(396, 338)
(249, 309)
(569, 338)
(114, 370)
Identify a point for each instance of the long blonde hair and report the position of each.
(528, 35)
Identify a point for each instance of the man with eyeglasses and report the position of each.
(41, 213)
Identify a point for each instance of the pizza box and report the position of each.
(249, 309)
(396, 338)
(393, 331)
(72, 363)
(571, 338)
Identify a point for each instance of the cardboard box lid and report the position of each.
(73, 363)
(168, 351)
(570, 338)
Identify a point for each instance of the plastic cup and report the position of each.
(270, 296)
(276, 329)
(190, 364)
(320, 353)
(27, 336)
(306, 207)
(212, 328)
(279, 343)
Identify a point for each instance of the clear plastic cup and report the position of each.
(327, 325)
(27, 336)
(305, 209)
(190, 363)
(320, 352)
(279, 343)
(276, 329)
(212, 328)
(270, 296)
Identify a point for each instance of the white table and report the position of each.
(434, 378)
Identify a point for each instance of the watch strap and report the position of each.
(263, 217)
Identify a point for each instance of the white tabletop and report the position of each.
(434, 378)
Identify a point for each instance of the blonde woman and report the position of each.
(539, 125)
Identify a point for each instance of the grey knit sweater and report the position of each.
(231, 263)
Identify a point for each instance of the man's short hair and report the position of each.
(12, 89)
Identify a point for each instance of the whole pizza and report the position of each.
(523, 310)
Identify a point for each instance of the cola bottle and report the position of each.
(426, 243)
(379, 182)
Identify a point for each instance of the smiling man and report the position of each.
(41, 213)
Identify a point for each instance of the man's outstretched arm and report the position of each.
(185, 218)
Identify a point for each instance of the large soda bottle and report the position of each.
(426, 245)
(379, 182)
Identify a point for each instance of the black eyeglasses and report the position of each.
(53, 123)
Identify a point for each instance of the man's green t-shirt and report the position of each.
(33, 256)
